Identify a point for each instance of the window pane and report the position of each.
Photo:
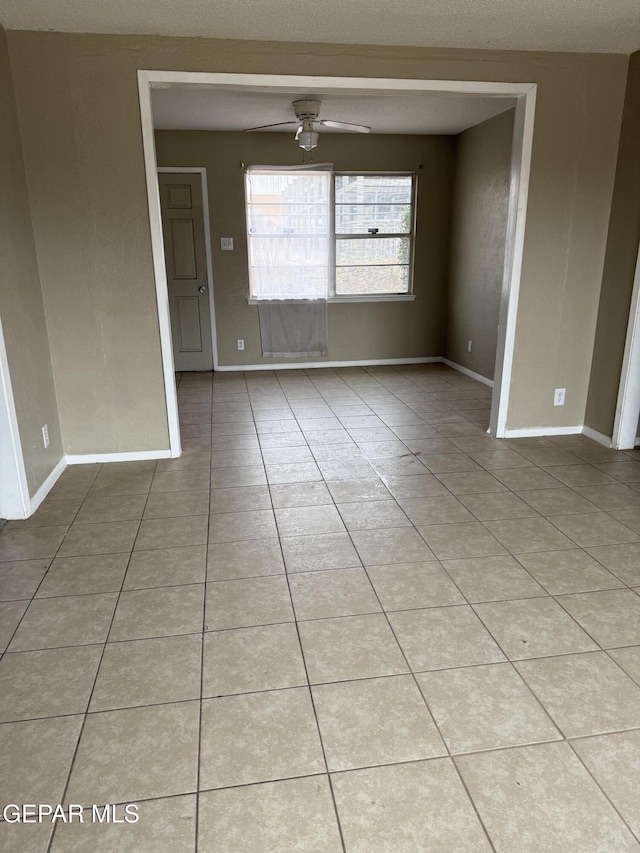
(367, 280)
(373, 189)
(372, 250)
(387, 218)
(269, 218)
(286, 267)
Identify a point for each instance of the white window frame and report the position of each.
(374, 297)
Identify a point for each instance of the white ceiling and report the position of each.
(211, 108)
(598, 26)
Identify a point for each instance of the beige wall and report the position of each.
(78, 107)
(370, 330)
(620, 261)
(21, 310)
(478, 237)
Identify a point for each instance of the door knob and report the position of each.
(202, 289)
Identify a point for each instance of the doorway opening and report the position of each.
(521, 95)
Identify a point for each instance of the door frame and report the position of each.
(202, 171)
(15, 501)
(625, 427)
(525, 95)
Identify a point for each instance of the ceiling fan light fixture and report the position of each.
(307, 139)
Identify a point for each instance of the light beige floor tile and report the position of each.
(453, 541)
(71, 621)
(240, 526)
(35, 759)
(499, 458)
(568, 571)
(166, 823)
(287, 455)
(309, 520)
(614, 761)
(413, 585)
(522, 535)
(300, 495)
(114, 483)
(148, 672)
(350, 647)
(594, 528)
(107, 538)
(524, 479)
(351, 469)
(407, 807)
(315, 553)
(584, 694)
(113, 508)
(438, 510)
(443, 637)
(533, 627)
(535, 798)
(549, 456)
(300, 472)
(135, 754)
(448, 463)
(419, 486)
(79, 575)
(338, 592)
(497, 506)
(251, 558)
(622, 560)
(611, 497)
(250, 475)
(247, 660)
(295, 814)
(48, 683)
(174, 504)
(51, 513)
(355, 491)
(492, 578)
(172, 532)
(241, 499)
(373, 515)
(185, 480)
(162, 612)
(485, 707)
(628, 517)
(246, 602)
(166, 567)
(11, 612)
(25, 838)
(580, 475)
(629, 660)
(471, 483)
(30, 543)
(612, 618)
(235, 458)
(259, 737)
(375, 721)
(405, 466)
(391, 545)
(556, 501)
(21, 579)
(623, 472)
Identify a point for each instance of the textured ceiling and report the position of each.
(609, 26)
(210, 108)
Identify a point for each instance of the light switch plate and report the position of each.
(226, 244)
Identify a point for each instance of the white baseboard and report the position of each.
(539, 432)
(600, 437)
(468, 372)
(45, 488)
(129, 456)
(299, 365)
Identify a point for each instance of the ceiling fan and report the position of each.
(306, 116)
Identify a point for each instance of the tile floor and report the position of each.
(345, 619)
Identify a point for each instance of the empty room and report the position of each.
(319, 405)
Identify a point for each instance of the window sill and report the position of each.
(386, 297)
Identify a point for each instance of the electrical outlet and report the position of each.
(226, 244)
(240, 344)
(45, 435)
(558, 396)
(469, 346)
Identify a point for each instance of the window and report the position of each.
(373, 234)
(288, 217)
(314, 235)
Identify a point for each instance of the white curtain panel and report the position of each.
(292, 329)
(289, 241)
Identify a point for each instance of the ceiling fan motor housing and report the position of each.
(307, 110)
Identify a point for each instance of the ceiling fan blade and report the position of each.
(343, 125)
(265, 126)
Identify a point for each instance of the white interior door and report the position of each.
(186, 262)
